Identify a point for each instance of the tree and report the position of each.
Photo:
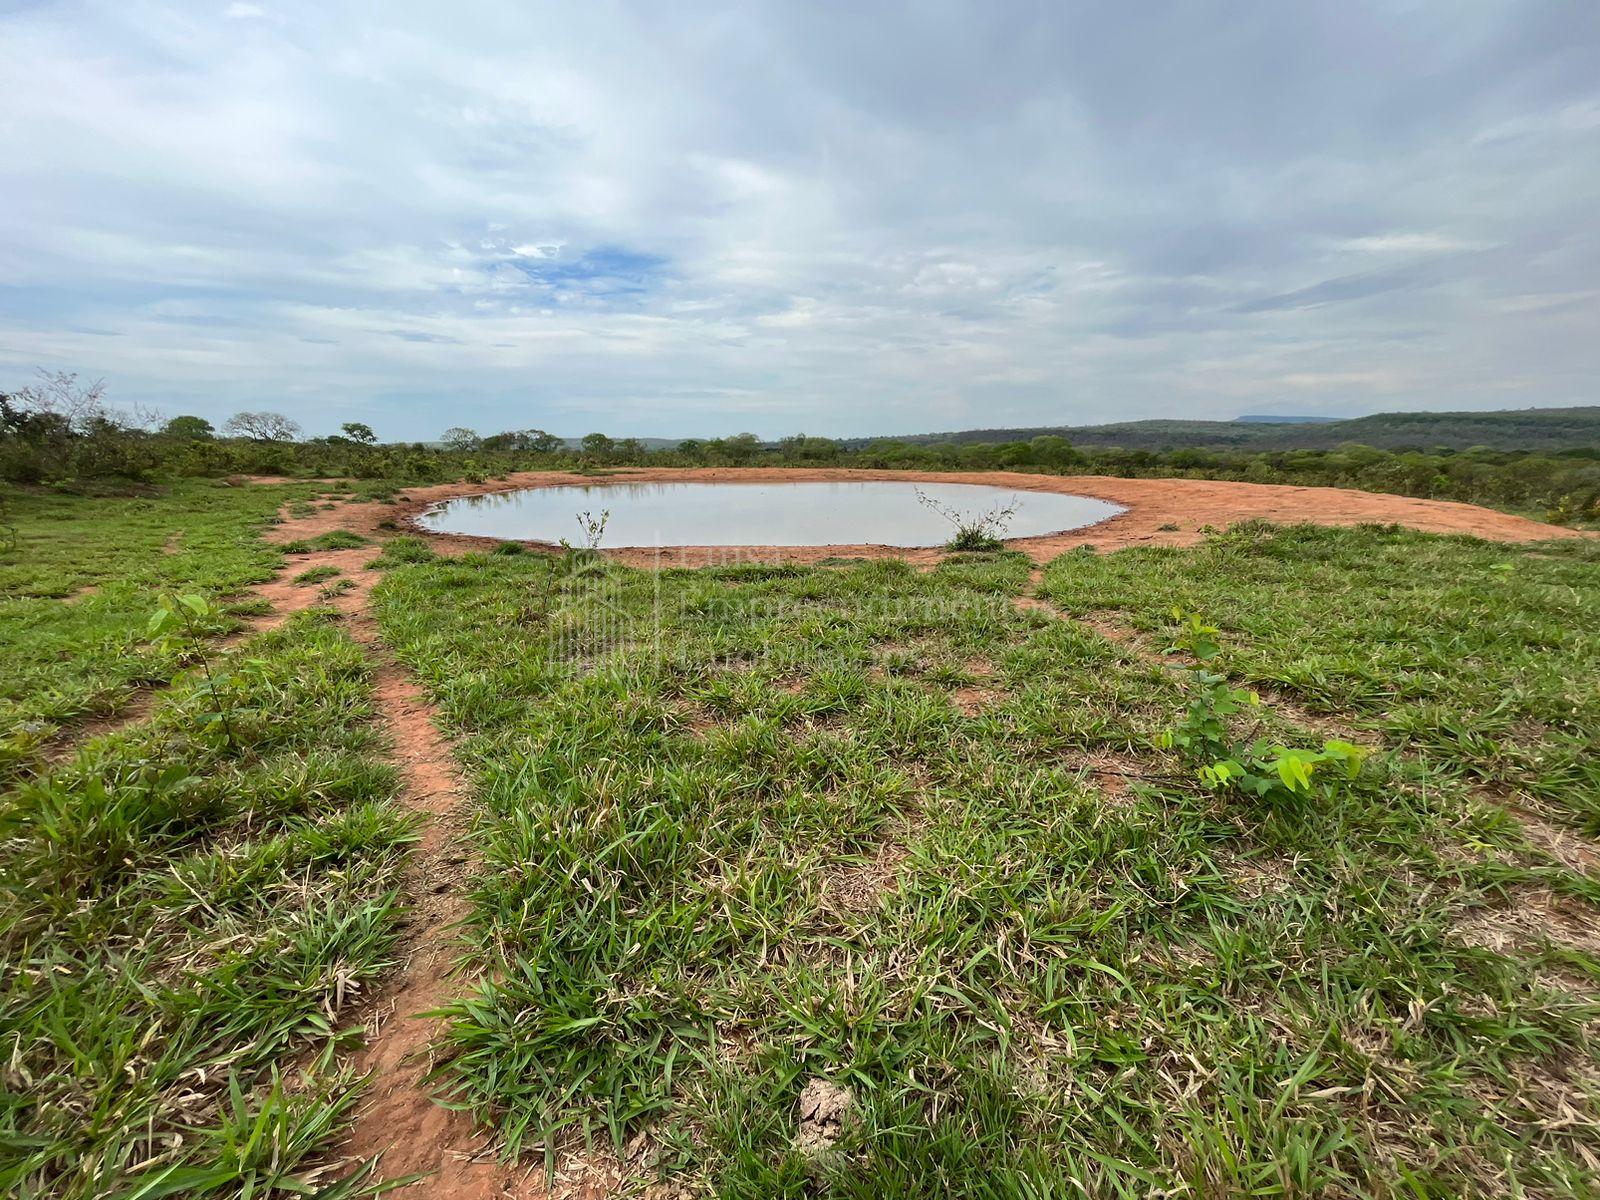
(536, 440)
(59, 429)
(541, 442)
(1051, 451)
(189, 429)
(741, 447)
(20, 420)
(799, 447)
(59, 400)
(510, 439)
(358, 431)
(1013, 454)
(460, 439)
(598, 445)
(262, 427)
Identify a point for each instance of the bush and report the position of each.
(1262, 768)
(58, 430)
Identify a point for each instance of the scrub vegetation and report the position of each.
(973, 530)
(1269, 866)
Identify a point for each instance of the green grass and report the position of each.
(179, 911)
(743, 828)
(76, 592)
(1479, 657)
(771, 844)
(334, 539)
(316, 575)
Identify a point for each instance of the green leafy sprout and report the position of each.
(1261, 767)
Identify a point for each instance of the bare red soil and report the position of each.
(399, 1120)
(1164, 512)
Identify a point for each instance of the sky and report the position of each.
(842, 218)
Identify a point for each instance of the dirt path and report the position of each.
(1164, 512)
(398, 1121)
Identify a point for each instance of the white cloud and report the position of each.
(1411, 243)
(671, 221)
(1564, 121)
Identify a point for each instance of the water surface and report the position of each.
(882, 513)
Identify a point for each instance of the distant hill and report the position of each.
(1268, 419)
(1546, 429)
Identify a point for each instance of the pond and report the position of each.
(758, 514)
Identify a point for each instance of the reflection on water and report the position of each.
(757, 514)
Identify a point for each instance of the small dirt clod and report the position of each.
(824, 1110)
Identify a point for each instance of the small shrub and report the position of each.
(179, 624)
(507, 549)
(585, 559)
(1572, 508)
(974, 531)
(1261, 768)
(594, 528)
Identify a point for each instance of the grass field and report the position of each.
(185, 923)
(77, 593)
(846, 823)
(847, 880)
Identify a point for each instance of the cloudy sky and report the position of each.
(845, 218)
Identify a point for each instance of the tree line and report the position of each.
(60, 432)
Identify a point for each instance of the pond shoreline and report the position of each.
(1165, 512)
(646, 514)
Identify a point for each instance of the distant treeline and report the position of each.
(60, 434)
(1543, 429)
